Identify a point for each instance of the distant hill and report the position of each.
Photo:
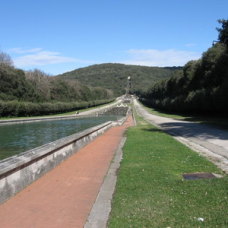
(114, 76)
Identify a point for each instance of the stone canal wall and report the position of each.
(19, 171)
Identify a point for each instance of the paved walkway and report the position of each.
(209, 141)
(65, 195)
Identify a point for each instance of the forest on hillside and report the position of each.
(36, 93)
(202, 85)
(114, 76)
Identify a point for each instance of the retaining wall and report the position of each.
(19, 171)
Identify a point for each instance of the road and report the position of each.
(207, 140)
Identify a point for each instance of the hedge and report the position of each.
(17, 108)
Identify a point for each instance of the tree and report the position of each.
(223, 32)
(41, 82)
(5, 59)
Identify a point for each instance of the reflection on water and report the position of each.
(17, 138)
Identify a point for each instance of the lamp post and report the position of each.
(128, 85)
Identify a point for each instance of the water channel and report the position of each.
(17, 138)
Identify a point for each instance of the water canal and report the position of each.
(17, 138)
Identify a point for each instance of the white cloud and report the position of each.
(153, 57)
(39, 57)
(24, 51)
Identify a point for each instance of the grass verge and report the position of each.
(151, 192)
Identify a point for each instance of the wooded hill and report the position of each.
(202, 86)
(114, 76)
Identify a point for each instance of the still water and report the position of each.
(17, 138)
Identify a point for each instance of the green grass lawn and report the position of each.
(150, 189)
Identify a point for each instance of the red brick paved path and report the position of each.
(65, 195)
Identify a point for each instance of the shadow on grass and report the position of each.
(153, 130)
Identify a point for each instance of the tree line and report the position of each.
(202, 85)
(26, 93)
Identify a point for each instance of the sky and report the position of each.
(57, 36)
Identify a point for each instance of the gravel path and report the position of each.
(208, 141)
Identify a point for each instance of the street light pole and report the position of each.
(128, 85)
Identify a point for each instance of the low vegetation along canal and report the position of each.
(17, 138)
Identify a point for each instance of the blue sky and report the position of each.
(56, 36)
